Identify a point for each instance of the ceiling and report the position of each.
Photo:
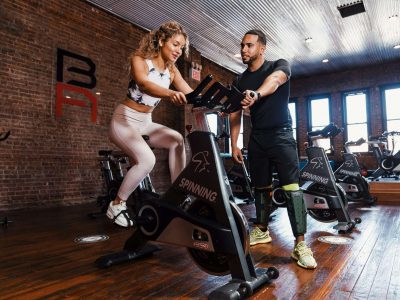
(215, 28)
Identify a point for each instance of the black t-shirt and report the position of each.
(271, 111)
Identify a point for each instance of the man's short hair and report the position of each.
(261, 36)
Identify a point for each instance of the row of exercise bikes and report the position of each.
(199, 212)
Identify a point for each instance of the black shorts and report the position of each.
(273, 150)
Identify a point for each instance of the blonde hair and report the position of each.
(149, 45)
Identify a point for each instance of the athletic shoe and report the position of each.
(119, 214)
(257, 236)
(304, 256)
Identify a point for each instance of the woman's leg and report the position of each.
(125, 133)
(167, 138)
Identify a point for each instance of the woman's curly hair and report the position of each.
(149, 45)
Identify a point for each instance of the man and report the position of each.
(266, 87)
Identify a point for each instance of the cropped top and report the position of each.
(162, 79)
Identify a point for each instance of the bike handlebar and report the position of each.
(331, 130)
(359, 142)
(213, 97)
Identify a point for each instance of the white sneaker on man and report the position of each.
(119, 214)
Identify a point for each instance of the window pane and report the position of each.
(392, 100)
(320, 112)
(355, 132)
(240, 137)
(323, 143)
(212, 120)
(292, 110)
(394, 126)
(320, 119)
(356, 108)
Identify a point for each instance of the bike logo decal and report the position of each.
(315, 178)
(198, 190)
(201, 245)
(316, 163)
(200, 159)
(348, 163)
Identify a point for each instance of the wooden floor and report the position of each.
(39, 259)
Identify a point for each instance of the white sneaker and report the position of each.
(119, 214)
(304, 256)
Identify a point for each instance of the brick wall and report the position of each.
(49, 161)
(370, 78)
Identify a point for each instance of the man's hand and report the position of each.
(237, 155)
(250, 98)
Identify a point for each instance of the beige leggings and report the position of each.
(126, 130)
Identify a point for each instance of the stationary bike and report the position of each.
(210, 225)
(388, 163)
(325, 200)
(348, 176)
(4, 221)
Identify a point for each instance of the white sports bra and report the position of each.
(162, 79)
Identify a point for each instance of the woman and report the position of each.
(153, 70)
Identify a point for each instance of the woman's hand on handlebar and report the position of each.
(177, 98)
(237, 155)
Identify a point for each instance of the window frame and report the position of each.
(383, 88)
(344, 111)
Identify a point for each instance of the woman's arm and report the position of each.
(139, 72)
(179, 83)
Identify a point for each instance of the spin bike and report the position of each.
(211, 227)
(388, 163)
(4, 221)
(348, 176)
(325, 200)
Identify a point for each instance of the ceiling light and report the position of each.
(396, 46)
(237, 55)
(308, 40)
(98, 93)
(325, 60)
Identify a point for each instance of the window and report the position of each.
(217, 125)
(391, 97)
(293, 115)
(356, 118)
(319, 116)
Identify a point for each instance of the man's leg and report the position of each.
(261, 178)
(298, 220)
(263, 203)
(286, 163)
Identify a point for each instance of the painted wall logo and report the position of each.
(76, 86)
(200, 158)
(316, 162)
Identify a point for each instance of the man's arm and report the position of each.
(268, 87)
(234, 126)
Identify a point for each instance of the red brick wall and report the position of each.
(369, 78)
(49, 161)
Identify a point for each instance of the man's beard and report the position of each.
(250, 59)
